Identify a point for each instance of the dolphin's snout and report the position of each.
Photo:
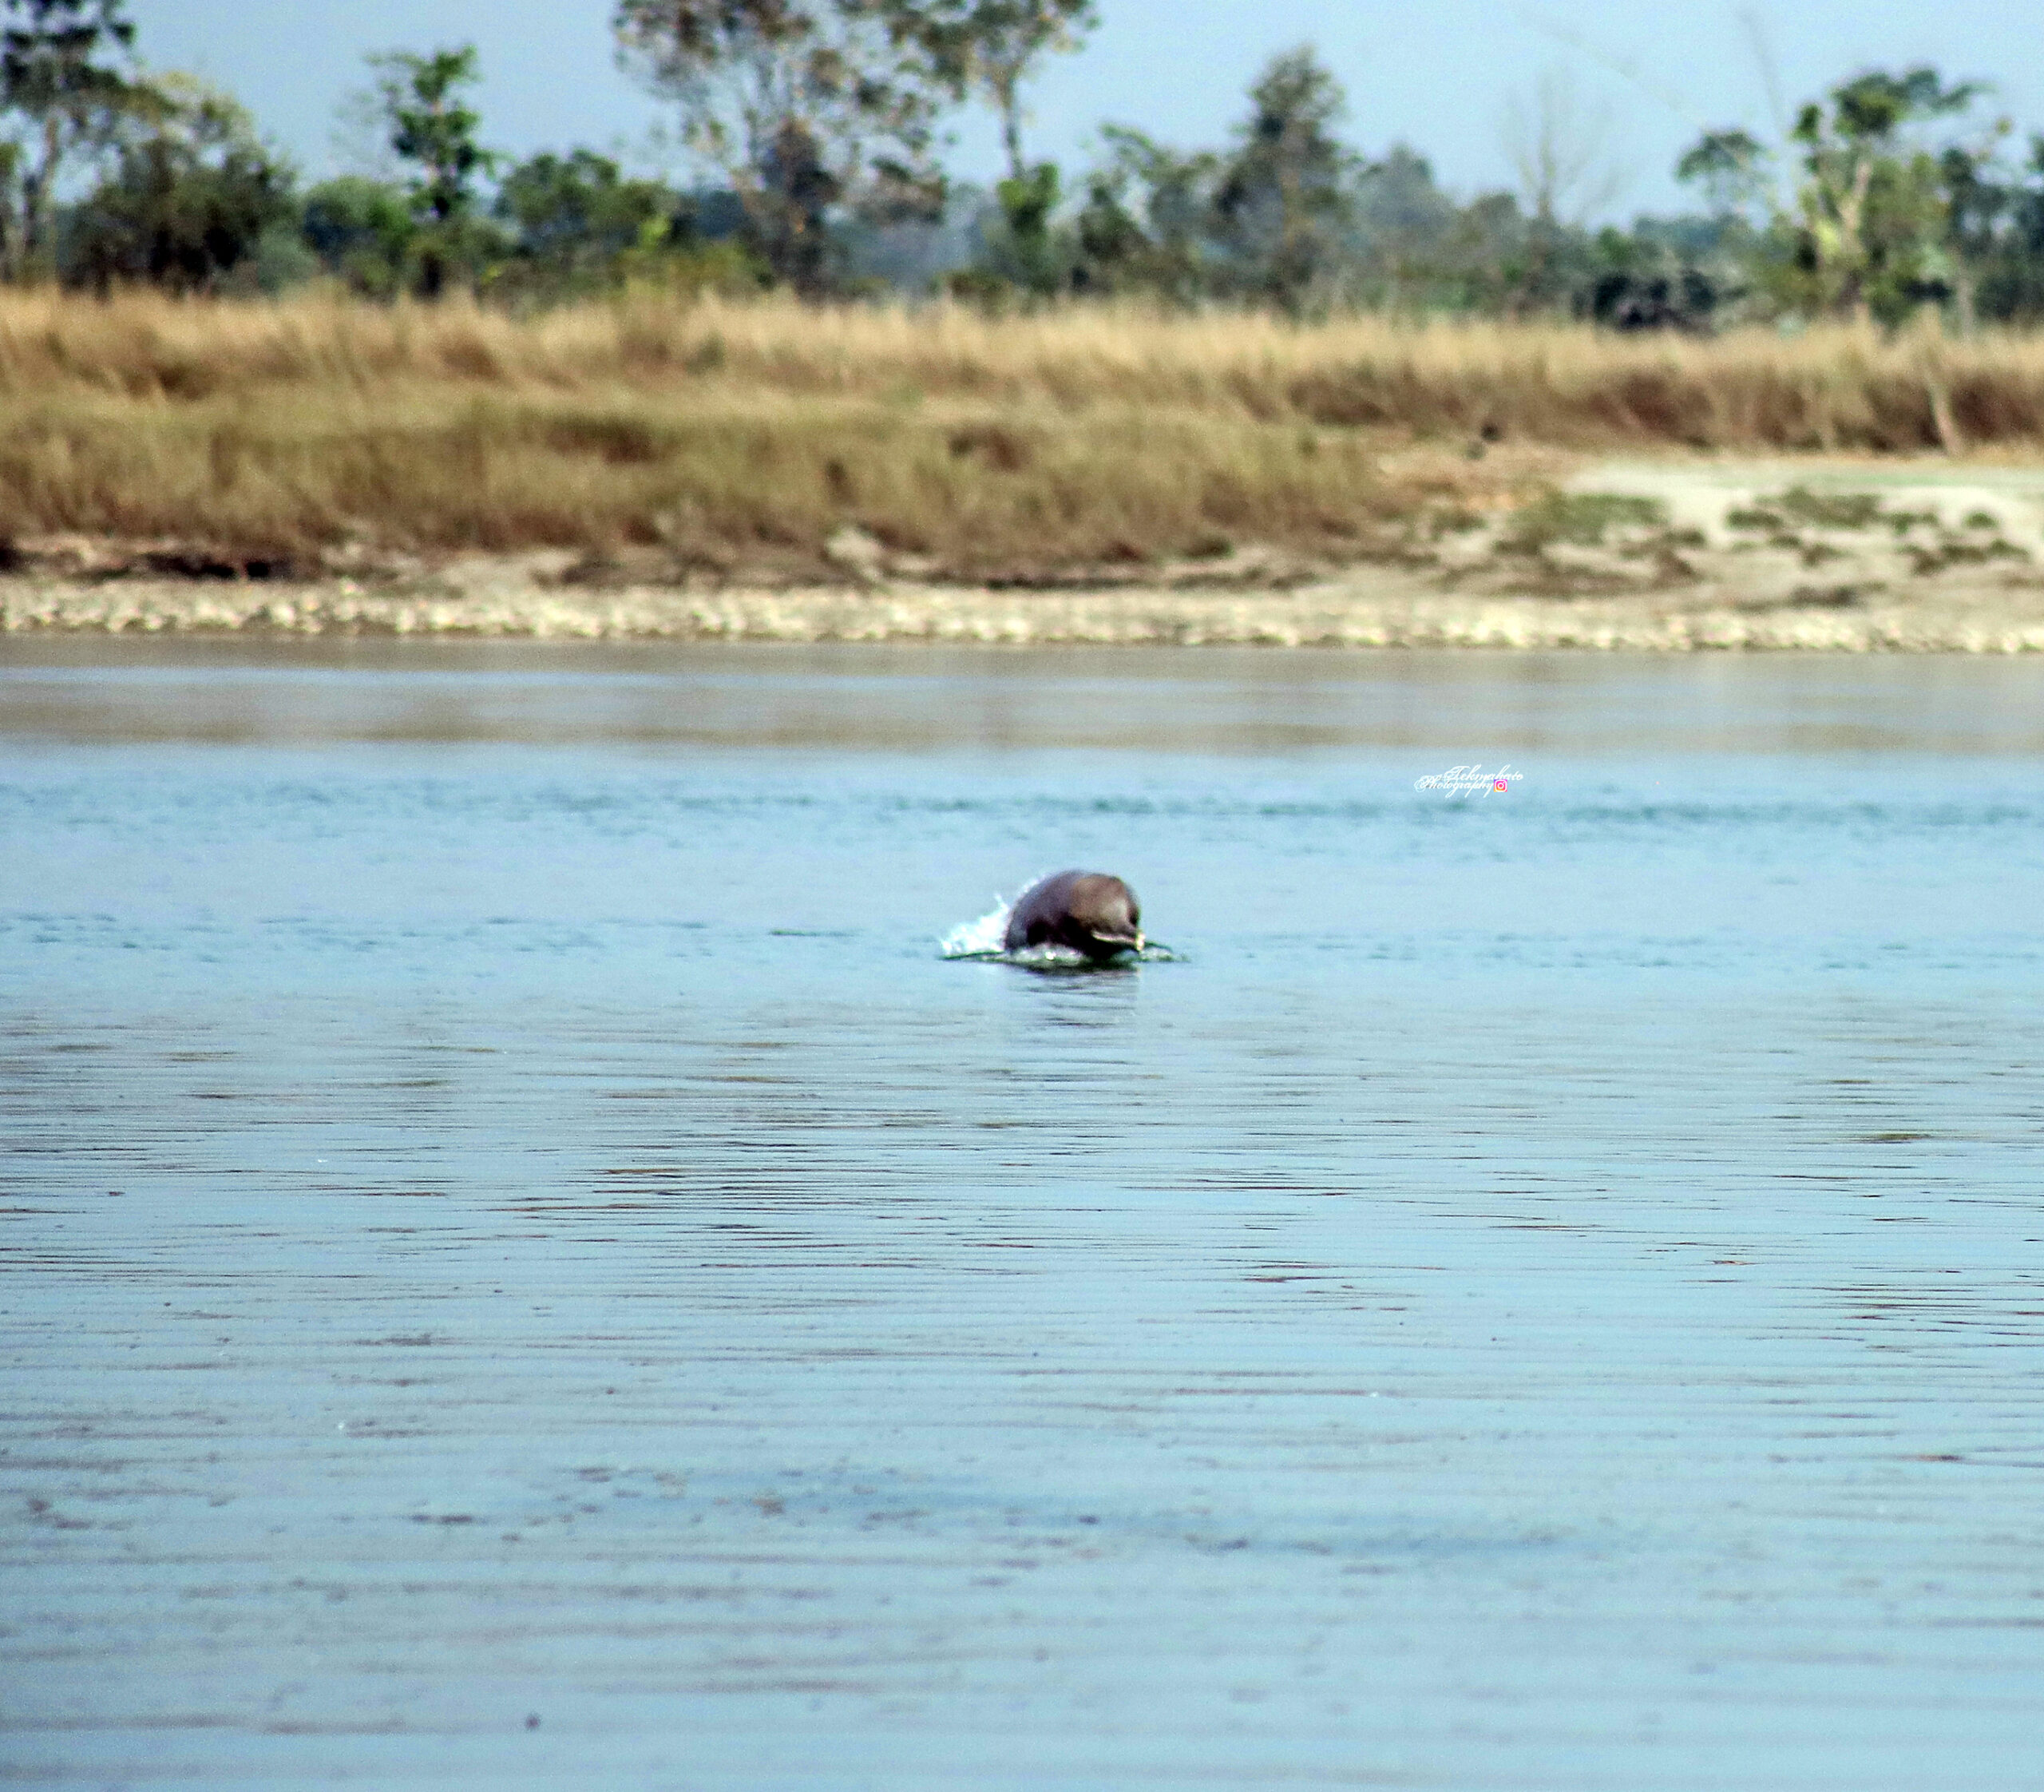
(1086, 911)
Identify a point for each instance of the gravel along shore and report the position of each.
(1365, 610)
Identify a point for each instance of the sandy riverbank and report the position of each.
(1671, 556)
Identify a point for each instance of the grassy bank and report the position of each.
(750, 439)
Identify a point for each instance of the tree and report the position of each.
(990, 47)
(580, 210)
(1285, 201)
(362, 230)
(65, 88)
(807, 107)
(190, 199)
(579, 224)
(2000, 221)
(1030, 246)
(434, 130)
(1731, 166)
(1979, 207)
(1871, 214)
(1414, 242)
(1881, 218)
(1146, 225)
(1557, 147)
(1271, 220)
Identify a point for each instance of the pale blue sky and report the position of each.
(1439, 76)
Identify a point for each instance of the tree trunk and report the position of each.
(37, 184)
(1010, 101)
(1851, 247)
(1966, 318)
(10, 248)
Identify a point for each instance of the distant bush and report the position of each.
(362, 231)
(577, 226)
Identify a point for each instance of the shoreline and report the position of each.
(1371, 608)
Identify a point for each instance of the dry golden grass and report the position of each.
(728, 435)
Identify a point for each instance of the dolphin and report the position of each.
(1088, 911)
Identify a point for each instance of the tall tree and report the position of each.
(1868, 205)
(1286, 198)
(1269, 221)
(435, 131)
(66, 84)
(805, 106)
(2012, 283)
(990, 48)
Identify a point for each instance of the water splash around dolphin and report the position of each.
(981, 940)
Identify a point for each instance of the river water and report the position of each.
(524, 1264)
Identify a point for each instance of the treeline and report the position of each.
(815, 125)
(178, 189)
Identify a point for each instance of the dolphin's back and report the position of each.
(1071, 909)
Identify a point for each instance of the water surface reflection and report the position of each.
(508, 1215)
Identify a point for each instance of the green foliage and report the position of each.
(1024, 252)
(1730, 166)
(435, 131)
(1832, 509)
(580, 226)
(1271, 220)
(577, 208)
(1146, 225)
(2003, 233)
(1415, 250)
(815, 121)
(1872, 208)
(362, 230)
(1884, 215)
(1873, 107)
(1289, 216)
(189, 201)
(1800, 507)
